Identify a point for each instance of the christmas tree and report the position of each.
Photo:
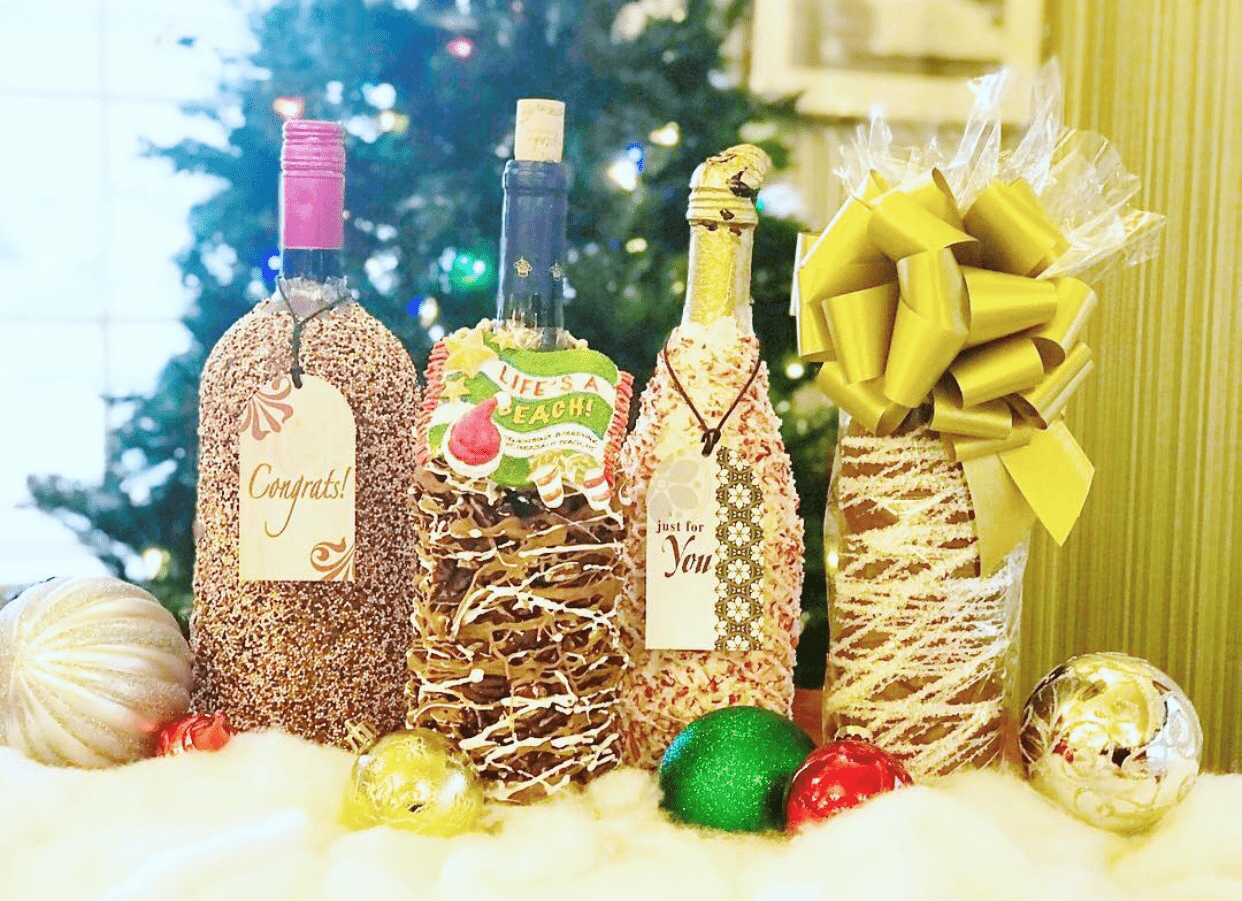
(427, 92)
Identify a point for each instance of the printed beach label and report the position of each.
(704, 563)
(551, 419)
(298, 484)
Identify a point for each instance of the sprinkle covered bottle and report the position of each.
(306, 405)
(710, 608)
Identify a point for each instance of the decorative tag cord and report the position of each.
(295, 338)
(711, 436)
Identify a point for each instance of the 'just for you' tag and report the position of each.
(298, 483)
(704, 563)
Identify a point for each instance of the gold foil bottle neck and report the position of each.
(723, 187)
(722, 219)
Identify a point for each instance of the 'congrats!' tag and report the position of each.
(298, 484)
(704, 555)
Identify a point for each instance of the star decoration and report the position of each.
(454, 389)
(468, 353)
(557, 271)
(523, 267)
(505, 339)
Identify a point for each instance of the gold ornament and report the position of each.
(1111, 739)
(359, 736)
(414, 780)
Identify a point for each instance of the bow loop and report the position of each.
(1017, 235)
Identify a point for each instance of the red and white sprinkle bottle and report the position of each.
(710, 608)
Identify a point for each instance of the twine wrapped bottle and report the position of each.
(311, 657)
(708, 399)
(942, 303)
(923, 650)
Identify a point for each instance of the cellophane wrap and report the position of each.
(923, 650)
(1078, 176)
(943, 304)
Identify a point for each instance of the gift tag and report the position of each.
(704, 554)
(298, 484)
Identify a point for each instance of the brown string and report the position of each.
(295, 339)
(711, 437)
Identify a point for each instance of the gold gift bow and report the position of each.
(902, 297)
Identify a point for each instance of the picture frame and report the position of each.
(911, 58)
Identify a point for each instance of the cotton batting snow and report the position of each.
(258, 821)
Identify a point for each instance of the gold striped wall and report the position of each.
(1154, 567)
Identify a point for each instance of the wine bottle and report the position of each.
(516, 652)
(710, 611)
(304, 551)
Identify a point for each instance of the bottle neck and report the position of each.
(310, 264)
(311, 235)
(310, 281)
(312, 204)
(718, 285)
(532, 248)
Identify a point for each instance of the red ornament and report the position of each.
(194, 733)
(840, 775)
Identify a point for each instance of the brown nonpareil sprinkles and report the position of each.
(308, 657)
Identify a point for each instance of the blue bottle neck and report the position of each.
(532, 250)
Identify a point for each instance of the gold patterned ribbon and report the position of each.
(906, 301)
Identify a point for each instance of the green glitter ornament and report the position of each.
(730, 768)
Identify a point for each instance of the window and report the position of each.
(90, 294)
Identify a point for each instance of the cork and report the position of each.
(540, 133)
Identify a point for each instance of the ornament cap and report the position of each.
(723, 187)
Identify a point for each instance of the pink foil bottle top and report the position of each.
(312, 185)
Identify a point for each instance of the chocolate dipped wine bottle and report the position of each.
(710, 611)
(516, 653)
(305, 538)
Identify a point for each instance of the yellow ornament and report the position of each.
(414, 780)
(1111, 739)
